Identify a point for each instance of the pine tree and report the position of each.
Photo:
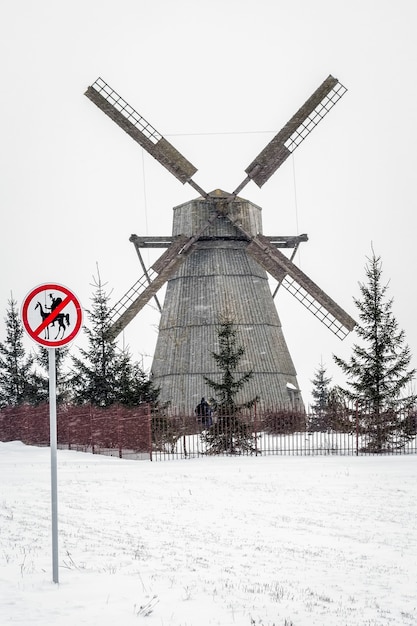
(133, 385)
(105, 375)
(320, 391)
(94, 375)
(379, 370)
(18, 384)
(229, 434)
(61, 376)
(320, 394)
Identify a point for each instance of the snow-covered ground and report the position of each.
(274, 541)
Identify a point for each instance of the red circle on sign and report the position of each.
(39, 325)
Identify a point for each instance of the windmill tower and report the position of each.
(216, 266)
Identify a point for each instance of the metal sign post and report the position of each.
(60, 313)
(54, 472)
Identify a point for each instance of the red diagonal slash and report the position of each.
(52, 315)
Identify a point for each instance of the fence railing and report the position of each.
(138, 433)
(283, 432)
(116, 430)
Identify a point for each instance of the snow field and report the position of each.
(325, 540)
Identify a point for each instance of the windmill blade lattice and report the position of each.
(153, 279)
(148, 285)
(113, 105)
(302, 287)
(294, 132)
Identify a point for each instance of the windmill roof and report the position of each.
(219, 193)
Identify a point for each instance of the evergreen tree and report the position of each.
(18, 384)
(63, 393)
(104, 375)
(229, 433)
(133, 385)
(94, 375)
(320, 391)
(320, 394)
(338, 413)
(379, 370)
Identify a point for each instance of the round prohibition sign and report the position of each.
(51, 315)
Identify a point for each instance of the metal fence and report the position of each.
(139, 433)
(284, 432)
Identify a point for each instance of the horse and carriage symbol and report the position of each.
(62, 319)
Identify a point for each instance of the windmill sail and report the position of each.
(113, 105)
(301, 286)
(148, 285)
(294, 132)
(145, 288)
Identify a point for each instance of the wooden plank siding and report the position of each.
(219, 278)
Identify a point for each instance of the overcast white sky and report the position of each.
(218, 78)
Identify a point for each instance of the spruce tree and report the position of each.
(94, 374)
(63, 393)
(18, 383)
(133, 385)
(104, 374)
(230, 433)
(320, 394)
(379, 373)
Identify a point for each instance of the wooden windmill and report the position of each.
(216, 265)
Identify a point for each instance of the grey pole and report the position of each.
(53, 444)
